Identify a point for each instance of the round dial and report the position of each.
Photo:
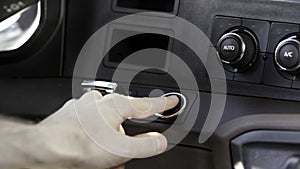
(237, 48)
(287, 54)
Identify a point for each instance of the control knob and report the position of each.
(237, 49)
(287, 54)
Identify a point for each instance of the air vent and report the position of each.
(132, 6)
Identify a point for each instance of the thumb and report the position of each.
(149, 144)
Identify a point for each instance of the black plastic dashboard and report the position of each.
(39, 75)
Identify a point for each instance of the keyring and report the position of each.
(180, 111)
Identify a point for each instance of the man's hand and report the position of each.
(68, 144)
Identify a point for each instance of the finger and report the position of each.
(88, 100)
(148, 145)
(119, 167)
(145, 107)
(60, 115)
(121, 130)
(129, 107)
(91, 95)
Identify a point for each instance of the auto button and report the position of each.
(230, 48)
(237, 49)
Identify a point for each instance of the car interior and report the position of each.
(233, 64)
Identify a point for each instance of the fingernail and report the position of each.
(162, 144)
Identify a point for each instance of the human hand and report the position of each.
(68, 141)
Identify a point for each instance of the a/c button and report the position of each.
(289, 56)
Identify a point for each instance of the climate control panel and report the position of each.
(258, 51)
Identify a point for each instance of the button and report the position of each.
(237, 50)
(230, 49)
(177, 110)
(289, 56)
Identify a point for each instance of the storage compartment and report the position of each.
(136, 49)
(266, 149)
(136, 43)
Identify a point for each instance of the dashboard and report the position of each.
(236, 62)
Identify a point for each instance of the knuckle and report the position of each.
(95, 92)
(114, 96)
